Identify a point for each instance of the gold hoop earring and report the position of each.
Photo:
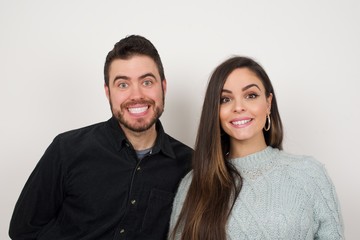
(267, 128)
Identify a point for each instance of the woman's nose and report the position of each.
(238, 106)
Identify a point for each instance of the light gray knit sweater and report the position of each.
(283, 196)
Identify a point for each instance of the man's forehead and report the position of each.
(136, 67)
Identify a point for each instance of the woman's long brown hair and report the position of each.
(216, 183)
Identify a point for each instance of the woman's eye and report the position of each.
(224, 100)
(147, 83)
(252, 96)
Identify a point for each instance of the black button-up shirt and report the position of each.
(89, 184)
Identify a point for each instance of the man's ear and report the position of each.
(107, 91)
(164, 83)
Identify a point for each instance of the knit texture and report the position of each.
(284, 196)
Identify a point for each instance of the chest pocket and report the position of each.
(157, 215)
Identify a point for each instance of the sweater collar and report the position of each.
(256, 160)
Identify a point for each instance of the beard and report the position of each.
(140, 124)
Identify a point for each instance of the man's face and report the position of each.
(135, 92)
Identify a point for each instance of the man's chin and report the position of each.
(138, 128)
(139, 125)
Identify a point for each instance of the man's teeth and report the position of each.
(241, 122)
(138, 110)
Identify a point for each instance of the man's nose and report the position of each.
(136, 91)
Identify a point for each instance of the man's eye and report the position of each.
(123, 85)
(147, 83)
(224, 100)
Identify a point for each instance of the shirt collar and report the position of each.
(162, 142)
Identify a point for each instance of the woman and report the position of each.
(243, 186)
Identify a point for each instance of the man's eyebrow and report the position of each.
(119, 77)
(122, 77)
(147, 75)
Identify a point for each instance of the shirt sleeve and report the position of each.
(178, 203)
(41, 196)
(327, 207)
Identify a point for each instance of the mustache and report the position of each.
(140, 101)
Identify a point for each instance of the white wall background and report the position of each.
(52, 55)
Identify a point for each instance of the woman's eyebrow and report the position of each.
(225, 90)
(243, 89)
(250, 86)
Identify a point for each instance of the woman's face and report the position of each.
(243, 109)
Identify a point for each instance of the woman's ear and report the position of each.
(269, 100)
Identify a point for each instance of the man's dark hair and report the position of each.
(127, 48)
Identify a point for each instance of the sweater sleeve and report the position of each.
(40, 198)
(326, 208)
(179, 202)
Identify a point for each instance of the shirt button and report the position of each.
(133, 202)
(122, 231)
(138, 169)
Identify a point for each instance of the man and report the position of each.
(115, 179)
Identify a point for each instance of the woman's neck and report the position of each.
(243, 148)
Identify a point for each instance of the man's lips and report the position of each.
(138, 110)
(137, 107)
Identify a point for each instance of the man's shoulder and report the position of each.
(83, 132)
(176, 144)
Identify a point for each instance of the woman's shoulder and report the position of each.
(300, 161)
(305, 167)
(185, 182)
